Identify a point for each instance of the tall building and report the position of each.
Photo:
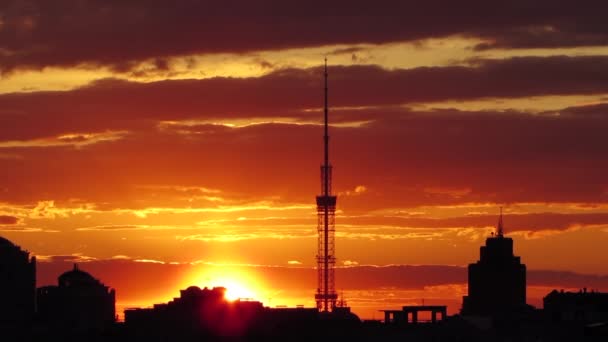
(497, 282)
(326, 296)
(17, 284)
(78, 302)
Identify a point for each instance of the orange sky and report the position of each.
(162, 150)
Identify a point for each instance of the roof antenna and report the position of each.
(500, 229)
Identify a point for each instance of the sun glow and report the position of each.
(238, 284)
(236, 291)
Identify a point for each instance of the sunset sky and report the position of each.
(162, 144)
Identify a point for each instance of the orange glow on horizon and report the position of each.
(239, 284)
(236, 291)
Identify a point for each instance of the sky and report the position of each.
(165, 144)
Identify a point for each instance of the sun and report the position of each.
(236, 291)
(238, 284)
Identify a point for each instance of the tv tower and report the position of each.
(326, 296)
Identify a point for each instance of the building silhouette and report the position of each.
(17, 284)
(196, 311)
(206, 312)
(438, 313)
(497, 282)
(78, 302)
(582, 306)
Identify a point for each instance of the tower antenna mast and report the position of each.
(500, 228)
(326, 295)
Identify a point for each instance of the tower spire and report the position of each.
(326, 296)
(326, 136)
(499, 228)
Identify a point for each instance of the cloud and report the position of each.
(513, 222)
(48, 210)
(116, 228)
(185, 189)
(404, 157)
(72, 258)
(255, 206)
(247, 234)
(77, 140)
(150, 261)
(352, 277)
(38, 34)
(114, 107)
(358, 190)
(19, 229)
(348, 50)
(544, 36)
(567, 279)
(8, 220)
(491, 157)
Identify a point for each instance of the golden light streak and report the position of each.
(530, 104)
(248, 122)
(428, 52)
(77, 140)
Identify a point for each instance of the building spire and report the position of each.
(500, 229)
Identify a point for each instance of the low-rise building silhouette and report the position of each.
(207, 312)
(195, 311)
(78, 302)
(582, 306)
(497, 282)
(17, 284)
(438, 314)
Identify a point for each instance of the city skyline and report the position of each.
(178, 146)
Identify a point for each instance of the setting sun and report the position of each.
(238, 283)
(236, 291)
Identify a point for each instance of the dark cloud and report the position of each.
(7, 219)
(37, 33)
(348, 51)
(546, 36)
(115, 104)
(404, 159)
(567, 279)
(408, 277)
(130, 278)
(400, 276)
